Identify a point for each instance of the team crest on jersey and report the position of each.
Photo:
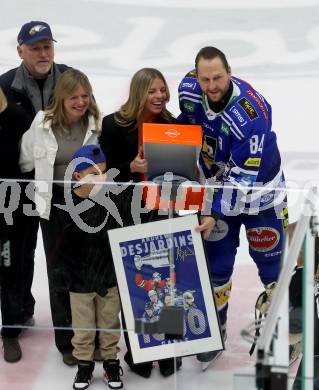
(189, 106)
(248, 108)
(209, 150)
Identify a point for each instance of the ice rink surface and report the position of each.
(272, 44)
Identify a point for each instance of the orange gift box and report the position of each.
(173, 148)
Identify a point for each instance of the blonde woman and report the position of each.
(13, 236)
(147, 100)
(119, 141)
(70, 121)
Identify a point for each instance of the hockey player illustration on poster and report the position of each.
(152, 283)
(155, 283)
(155, 301)
(189, 300)
(151, 313)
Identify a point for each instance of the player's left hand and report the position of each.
(206, 226)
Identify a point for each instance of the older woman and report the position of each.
(71, 121)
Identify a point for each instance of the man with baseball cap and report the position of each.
(29, 86)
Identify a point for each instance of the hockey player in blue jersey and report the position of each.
(240, 157)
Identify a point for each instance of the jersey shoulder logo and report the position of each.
(248, 108)
(224, 129)
(189, 106)
(192, 73)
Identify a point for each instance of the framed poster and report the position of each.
(163, 263)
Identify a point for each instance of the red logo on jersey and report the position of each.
(258, 101)
(262, 239)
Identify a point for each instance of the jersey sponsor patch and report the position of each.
(248, 108)
(273, 254)
(262, 239)
(238, 116)
(242, 178)
(267, 198)
(225, 129)
(253, 162)
(222, 294)
(285, 218)
(189, 85)
(219, 232)
(189, 106)
(207, 126)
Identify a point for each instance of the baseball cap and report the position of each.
(33, 32)
(87, 156)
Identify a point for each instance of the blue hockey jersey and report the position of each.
(239, 148)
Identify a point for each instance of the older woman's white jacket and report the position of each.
(38, 151)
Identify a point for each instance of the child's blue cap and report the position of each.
(93, 153)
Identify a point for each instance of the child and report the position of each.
(94, 295)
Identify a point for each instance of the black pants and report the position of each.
(52, 233)
(30, 227)
(17, 302)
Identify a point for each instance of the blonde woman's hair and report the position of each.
(66, 85)
(140, 84)
(3, 101)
